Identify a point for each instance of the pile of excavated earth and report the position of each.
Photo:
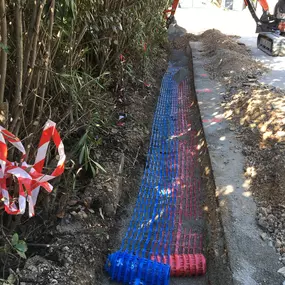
(256, 113)
(229, 60)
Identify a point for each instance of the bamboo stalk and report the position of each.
(35, 94)
(29, 40)
(48, 57)
(17, 103)
(19, 54)
(34, 48)
(77, 42)
(3, 64)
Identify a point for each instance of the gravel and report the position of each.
(272, 221)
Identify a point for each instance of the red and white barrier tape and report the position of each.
(30, 177)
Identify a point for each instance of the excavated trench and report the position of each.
(196, 227)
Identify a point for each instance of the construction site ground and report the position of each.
(218, 271)
(240, 113)
(239, 116)
(245, 249)
(239, 23)
(240, 92)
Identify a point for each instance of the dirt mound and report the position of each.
(183, 41)
(259, 116)
(214, 39)
(259, 113)
(229, 61)
(264, 109)
(231, 67)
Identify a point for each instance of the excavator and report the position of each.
(270, 28)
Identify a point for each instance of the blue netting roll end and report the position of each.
(133, 270)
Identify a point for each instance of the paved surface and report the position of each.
(252, 261)
(198, 20)
(276, 76)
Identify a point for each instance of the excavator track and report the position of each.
(271, 43)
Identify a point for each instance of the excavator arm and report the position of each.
(252, 10)
(267, 22)
(264, 5)
(172, 11)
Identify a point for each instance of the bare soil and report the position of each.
(183, 41)
(230, 61)
(257, 114)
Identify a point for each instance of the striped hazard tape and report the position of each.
(29, 177)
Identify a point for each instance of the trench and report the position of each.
(174, 226)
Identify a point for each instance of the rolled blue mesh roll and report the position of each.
(134, 270)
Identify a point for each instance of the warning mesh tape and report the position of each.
(164, 236)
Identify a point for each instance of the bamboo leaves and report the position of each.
(64, 54)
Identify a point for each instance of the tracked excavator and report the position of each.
(270, 28)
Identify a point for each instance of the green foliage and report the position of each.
(72, 68)
(11, 280)
(19, 246)
(86, 41)
(4, 48)
(86, 145)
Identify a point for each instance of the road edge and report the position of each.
(252, 262)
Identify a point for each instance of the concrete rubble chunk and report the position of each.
(263, 236)
(282, 271)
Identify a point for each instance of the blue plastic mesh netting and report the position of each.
(167, 198)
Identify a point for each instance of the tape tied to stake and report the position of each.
(29, 177)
